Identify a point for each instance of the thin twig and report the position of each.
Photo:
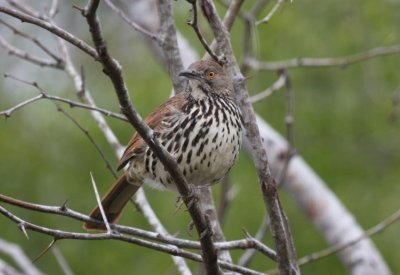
(306, 62)
(227, 195)
(91, 139)
(194, 25)
(98, 199)
(41, 254)
(7, 113)
(44, 95)
(376, 229)
(34, 40)
(27, 56)
(24, 8)
(26, 18)
(53, 9)
(276, 86)
(85, 96)
(130, 22)
(248, 255)
(61, 261)
(289, 120)
(271, 13)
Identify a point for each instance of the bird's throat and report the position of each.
(198, 92)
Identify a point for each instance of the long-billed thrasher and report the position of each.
(200, 127)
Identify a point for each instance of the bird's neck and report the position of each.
(196, 92)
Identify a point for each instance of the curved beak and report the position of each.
(189, 74)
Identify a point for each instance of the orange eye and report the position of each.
(211, 75)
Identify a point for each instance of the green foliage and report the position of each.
(342, 129)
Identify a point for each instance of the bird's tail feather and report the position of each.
(113, 202)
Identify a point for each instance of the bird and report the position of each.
(201, 127)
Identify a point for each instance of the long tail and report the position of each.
(113, 202)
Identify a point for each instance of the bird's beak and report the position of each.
(189, 74)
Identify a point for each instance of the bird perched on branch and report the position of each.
(200, 127)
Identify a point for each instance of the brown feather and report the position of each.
(137, 145)
(113, 202)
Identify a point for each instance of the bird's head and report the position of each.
(208, 77)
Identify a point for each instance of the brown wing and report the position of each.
(137, 146)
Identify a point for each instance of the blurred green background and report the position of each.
(346, 128)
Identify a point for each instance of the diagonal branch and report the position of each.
(195, 26)
(276, 86)
(283, 242)
(27, 56)
(130, 22)
(113, 70)
(34, 40)
(376, 229)
(26, 18)
(271, 13)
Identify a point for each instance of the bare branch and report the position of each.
(61, 260)
(227, 194)
(194, 25)
(34, 40)
(173, 250)
(289, 120)
(286, 257)
(5, 268)
(144, 207)
(276, 86)
(7, 113)
(232, 13)
(113, 70)
(19, 257)
(53, 242)
(169, 44)
(341, 246)
(44, 95)
(130, 22)
(27, 56)
(85, 96)
(26, 18)
(24, 8)
(91, 139)
(305, 62)
(247, 256)
(98, 199)
(271, 13)
(160, 237)
(53, 9)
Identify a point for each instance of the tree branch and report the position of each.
(173, 250)
(25, 18)
(113, 70)
(195, 26)
(286, 257)
(65, 211)
(306, 62)
(19, 257)
(274, 9)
